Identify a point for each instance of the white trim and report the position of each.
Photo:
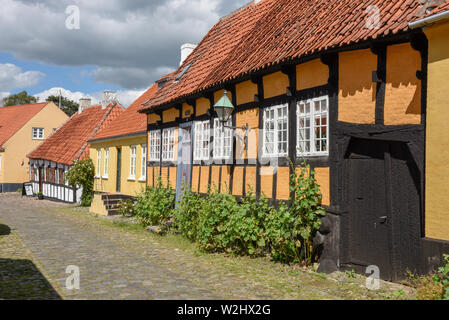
(275, 121)
(168, 144)
(312, 115)
(106, 164)
(201, 141)
(98, 171)
(38, 133)
(143, 164)
(132, 162)
(221, 136)
(155, 145)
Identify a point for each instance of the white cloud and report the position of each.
(125, 97)
(135, 41)
(12, 77)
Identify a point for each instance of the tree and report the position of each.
(19, 99)
(68, 106)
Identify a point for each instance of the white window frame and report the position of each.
(223, 140)
(106, 163)
(312, 114)
(168, 144)
(155, 145)
(271, 116)
(56, 175)
(132, 162)
(98, 163)
(38, 133)
(143, 166)
(201, 148)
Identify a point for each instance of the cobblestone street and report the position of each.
(39, 239)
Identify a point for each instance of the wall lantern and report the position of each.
(224, 109)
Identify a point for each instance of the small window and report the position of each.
(132, 171)
(155, 145)
(168, 144)
(222, 140)
(106, 163)
(202, 138)
(38, 133)
(98, 163)
(143, 169)
(313, 127)
(275, 135)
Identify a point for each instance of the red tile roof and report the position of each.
(273, 31)
(69, 143)
(130, 121)
(441, 8)
(13, 118)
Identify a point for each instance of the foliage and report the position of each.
(427, 289)
(187, 214)
(126, 207)
(442, 277)
(68, 106)
(20, 191)
(154, 206)
(19, 99)
(82, 173)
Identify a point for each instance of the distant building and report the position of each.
(119, 152)
(22, 129)
(52, 159)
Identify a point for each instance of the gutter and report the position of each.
(123, 136)
(429, 20)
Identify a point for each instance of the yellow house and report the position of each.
(349, 100)
(436, 29)
(119, 152)
(22, 129)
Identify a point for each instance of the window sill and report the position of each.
(97, 177)
(105, 177)
(40, 139)
(131, 179)
(142, 179)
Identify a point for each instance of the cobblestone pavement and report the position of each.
(118, 260)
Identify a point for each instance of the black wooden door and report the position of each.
(384, 204)
(368, 205)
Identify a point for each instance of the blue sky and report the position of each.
(120, 45)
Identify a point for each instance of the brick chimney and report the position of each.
(108, 98)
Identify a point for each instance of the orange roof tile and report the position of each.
(13, 118)
(69, 143)
(441, 8)
(273, 31)
(130, 121)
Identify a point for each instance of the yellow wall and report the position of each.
(170, 115)
(275, 84)
(311, 74)
(153, 118)
(250, 117)
(97, 206)
(22, 143)
(322, 176)
(202, 105)
(187, 109)
(357, 96)
(403, 90)
(437, 138)
(127, 186)
(245, 92)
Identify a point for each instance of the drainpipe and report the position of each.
(429, 20)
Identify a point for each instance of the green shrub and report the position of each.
(126, 207)
(245, 230)
(428, 289)
(154, 206)
(82, 173)
(214, 215)
(442, 278)
(20, 191)
(187, 214)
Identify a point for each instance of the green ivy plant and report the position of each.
(442, 277)
(126, 207)
(82, 173)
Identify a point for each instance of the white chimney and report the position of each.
(108, 98)
(84, 104)
(186, 50)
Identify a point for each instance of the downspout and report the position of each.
(429, 20)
